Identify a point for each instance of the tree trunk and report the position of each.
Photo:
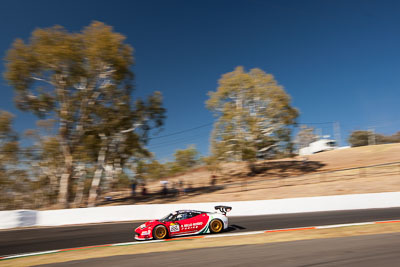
(109, 174)
(80, 187)
(95, 185)
(64, 192)
(51, 172)
(63, 195)
(99, 172)
(117, 171)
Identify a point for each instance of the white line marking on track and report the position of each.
(235, 234)
(135, 243)
(31, 254)
(342, 225)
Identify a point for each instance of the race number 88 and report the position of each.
(174, 228)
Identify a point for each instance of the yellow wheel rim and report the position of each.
(161, 232)
(216, 226)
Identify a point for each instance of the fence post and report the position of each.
(362, 172)
(322, 177)
(282, 181)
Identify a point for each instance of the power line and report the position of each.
(315, 123)
(183, 131)
(167, 143)
(177, 141)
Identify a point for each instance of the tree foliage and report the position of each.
(83, 82)
(359, 138)
(15, 187)
(254, 114)
(365, 138)
(151, 170)
(305, 136)
(186, 158)
(212, 163)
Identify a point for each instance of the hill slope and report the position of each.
(316, 175)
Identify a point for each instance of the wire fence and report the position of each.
(385, 169)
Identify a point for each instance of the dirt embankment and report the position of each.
(315, 175)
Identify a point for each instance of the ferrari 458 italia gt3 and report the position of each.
(184, 222)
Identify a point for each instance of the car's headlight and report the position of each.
(142, 226)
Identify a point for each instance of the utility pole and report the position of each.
(238, 130)
(319, 133)
(336, 130)
(371, 136)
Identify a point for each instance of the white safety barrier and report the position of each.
(17, 218)
(239, 208)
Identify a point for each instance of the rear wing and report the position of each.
(223, 209)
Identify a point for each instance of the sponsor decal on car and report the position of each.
(191, 225)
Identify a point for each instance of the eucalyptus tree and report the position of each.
(15, 188)
(253, 114)
(8, 155)
(121, 136)
(187, 158)
(84, 82)
(44, 160)
(305, 136)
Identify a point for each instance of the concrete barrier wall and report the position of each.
(27, 218)
(17, 218)
(239, 208)
(8, 219)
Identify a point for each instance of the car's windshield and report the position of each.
(170, 217)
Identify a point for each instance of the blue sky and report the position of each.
(339, 60)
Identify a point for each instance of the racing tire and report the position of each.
(160, 232)
(216, 226)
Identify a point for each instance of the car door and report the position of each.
(176, 227)
(199, 220)
(194, 222)
(184, 224)
(188, 223)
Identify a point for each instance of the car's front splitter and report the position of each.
(141, 238)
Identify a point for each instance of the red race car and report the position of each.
(184, 222)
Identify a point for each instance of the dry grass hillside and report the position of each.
(328, 173)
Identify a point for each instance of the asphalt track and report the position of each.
(42, 239)
(365, 251)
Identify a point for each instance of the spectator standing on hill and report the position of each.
(164, 190)
(144, 190)
(174, 189)
(133, 188)
(213, 180)
(181, 187)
